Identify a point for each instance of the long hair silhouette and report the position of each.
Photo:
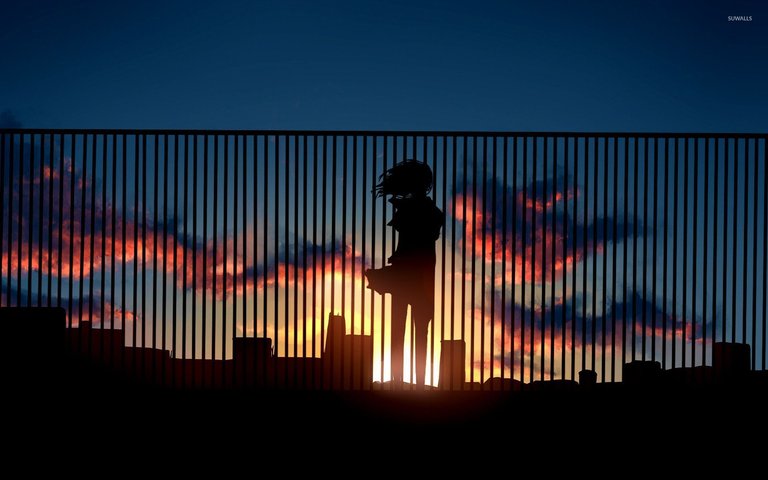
(410, 275)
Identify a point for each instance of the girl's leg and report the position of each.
(421, 328)
(397, 337)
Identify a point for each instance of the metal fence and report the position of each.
(560, 251)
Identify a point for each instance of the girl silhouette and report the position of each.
(410, 277)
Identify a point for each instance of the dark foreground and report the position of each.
(55, 403)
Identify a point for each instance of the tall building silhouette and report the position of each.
(731, 359)
(452, 353)
(347, 359)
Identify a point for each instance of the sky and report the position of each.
(396, 65)
(449, 66)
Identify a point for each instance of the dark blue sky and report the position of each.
(486, 65)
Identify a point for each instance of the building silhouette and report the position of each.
(452, 368)
(96, 356)
(347, 358)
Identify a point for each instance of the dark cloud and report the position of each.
(542, 230)
(82, 224)
(616, 320)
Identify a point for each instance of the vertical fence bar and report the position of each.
(62, 173)
(625, 236)
(567, 199)
(20, 229)
(654, 255)
(235, 198)
(255, 234)
(244, 274)
(483, 259)
(305, 174)
(50, 177)
(734, 250)
(603, 315)
(726, 157)
(665, 261)
(31, 217)
(356, 383)
(674, 257)
(4, 301)
(334, 183)
(83, 185)
(450, 383)
(123, 231)
(324, 224)
(123, 245)
(185, 247)
(534, 180)
(277, 256)
(103, 251)
(286, 248)
(515, 256)
(113, 208)
(765, 254)
(444, 172)
(40, 223)
(462, 311)
(492, 292)
(175, 240)
(295, 252)
(553, 261)
(504, 254)
(344, 184)
(144, 221)
(373, 223)
(9, 248)
(585, 228)
(745, 249)
(754, 257)
(31, 239)
(686, 179)
(265, 257)
(543, 315)
(596, 160)
(363, 212)
(523, 265)
(91, 234)
(715, 235)
(215, 240)
(573, 254)
(155, 250)
(194, 258)
(204, 246)
(706, 253)
(11, 195)
(473, 267)
(635, 164)
(315, 140)
(400, 154)
(225, 248)
(694, 256)
(136, 223)
(645, 248)
(374, 169)
(614, 251)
